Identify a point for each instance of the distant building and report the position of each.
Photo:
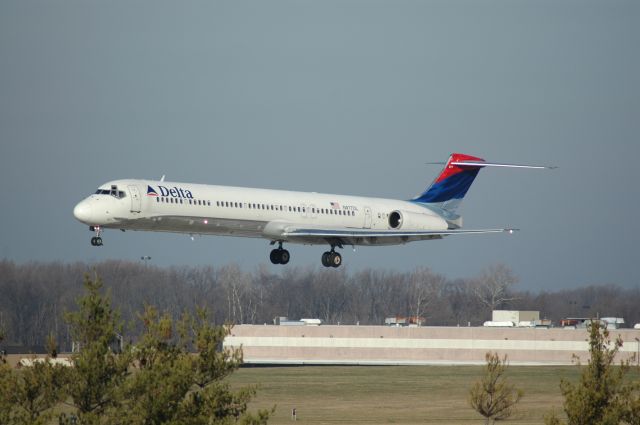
(583, 322)
(517, 318)
(285, 321)
(404, 321)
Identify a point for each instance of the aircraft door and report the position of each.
(136, 202)
(367, 218)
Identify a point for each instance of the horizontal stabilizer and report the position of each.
(497, 164)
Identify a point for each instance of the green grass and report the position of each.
(394, 394)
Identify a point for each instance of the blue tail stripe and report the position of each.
(453, 187)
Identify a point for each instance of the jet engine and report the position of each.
(406, 220)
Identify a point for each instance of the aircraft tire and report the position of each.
(98, 241)
(325, 259)
(275, 256)
(93, 241)
(284, 256)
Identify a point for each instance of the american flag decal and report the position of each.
(335, 205)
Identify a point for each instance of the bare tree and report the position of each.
(493, 288)
(424, 290)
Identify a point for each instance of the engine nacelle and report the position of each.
(406, 220)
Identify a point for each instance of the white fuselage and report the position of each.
(236, 211)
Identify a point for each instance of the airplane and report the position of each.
(285, 216)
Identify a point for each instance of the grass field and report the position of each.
(394, 394)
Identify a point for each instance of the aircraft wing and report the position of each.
(346, 236)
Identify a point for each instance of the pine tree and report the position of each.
(173, 374)
(601, 397)
(174, 385)
(28, 396)
(98, 371)
(493, 397)
(6, 385)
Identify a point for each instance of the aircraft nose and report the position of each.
(82, 212)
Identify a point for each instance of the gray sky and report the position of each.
(340, 96)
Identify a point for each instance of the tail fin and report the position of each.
(448, 189)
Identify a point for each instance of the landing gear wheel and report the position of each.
(284, 256)
(96, 240)
(275, 256)
(279, 256)
(325, 259)
(335, 259)
(331, 259)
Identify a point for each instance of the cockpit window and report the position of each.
(118, 194)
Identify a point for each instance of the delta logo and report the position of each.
(174, 192)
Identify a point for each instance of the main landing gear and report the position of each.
(279, 255)
(331, 258)
(96, 240)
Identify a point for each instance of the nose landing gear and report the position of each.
(279, 255)
(96, 240)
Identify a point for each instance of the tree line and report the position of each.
(35, 296)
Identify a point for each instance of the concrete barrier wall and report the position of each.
(424, 345)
